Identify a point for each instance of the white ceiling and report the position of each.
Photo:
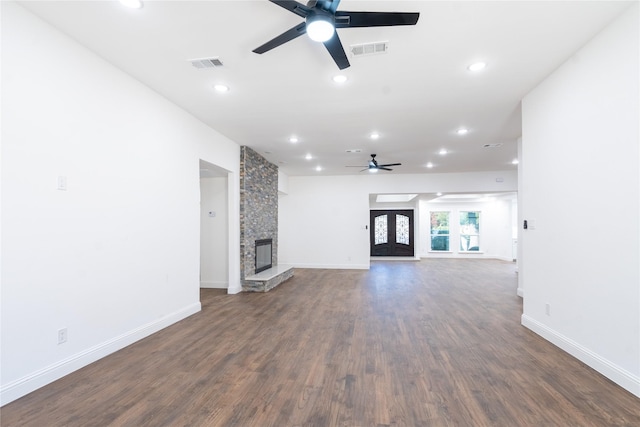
(415, 96)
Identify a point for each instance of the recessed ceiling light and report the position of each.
(318, 168)
(515, 162)
(438, 194)
(293, 139)
(133, 4)
(374, 135)
(308, 156)
(340, 78)
(221, 88)
(477, 66)
(442, 152)
(429, 165)
(462, 131)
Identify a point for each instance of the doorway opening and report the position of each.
(214, 226)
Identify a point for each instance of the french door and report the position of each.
(391, 232)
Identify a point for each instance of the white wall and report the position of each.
(283, 183)
(322, 219)
(214, 248)
(321, 223)
(495, 228)
(581, 187)
(115, 257)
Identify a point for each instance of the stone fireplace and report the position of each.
(258, 220)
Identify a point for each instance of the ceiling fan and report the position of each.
(373, 165)
(321, 20)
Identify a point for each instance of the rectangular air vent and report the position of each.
(369, 48)
(202, 63)
(496, 145)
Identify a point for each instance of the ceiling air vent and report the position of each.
(369, 48)
(202, 63)
(496, 145)
(354, 150)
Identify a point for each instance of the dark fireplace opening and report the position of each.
(263, 254)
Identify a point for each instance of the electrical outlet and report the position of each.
(547, 309)
(62, 336)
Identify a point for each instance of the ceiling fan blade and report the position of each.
(288, 35)
(385, 169)
(334, 46)
(375, 19)
(390, 164)
(293, 6)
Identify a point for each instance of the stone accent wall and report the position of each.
(258, 207)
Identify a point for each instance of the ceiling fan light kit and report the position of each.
(320, 27)
(324, 15)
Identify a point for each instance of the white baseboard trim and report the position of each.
(25, 385)
(618, 375)
(234, 290)
(212, 284)
(503, 258)
(331, 266)
(463, 255)
(395, 258)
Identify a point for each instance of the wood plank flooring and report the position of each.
(430, 343)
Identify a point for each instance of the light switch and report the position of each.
(62, 183)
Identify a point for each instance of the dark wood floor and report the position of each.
(429, 343)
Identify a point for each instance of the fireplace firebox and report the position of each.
(263, 254)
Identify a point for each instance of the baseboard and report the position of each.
(395, 258)
(232, 290)
(212, 284)
(42, 377)
(618, 375)
(331, 266)
(465, 255)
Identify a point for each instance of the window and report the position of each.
(402, 229)
(380, 230)
(469, 231)
(439, 231)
